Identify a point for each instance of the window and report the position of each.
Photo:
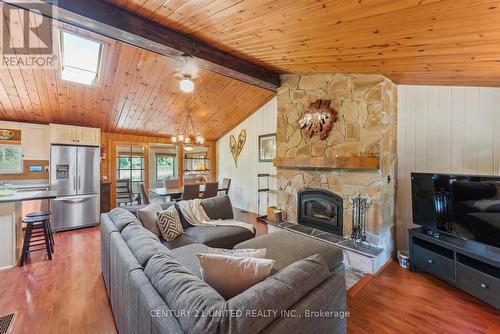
(11, 159)
(131, 168)
(165, 167)
(80, 58)
(130, 165)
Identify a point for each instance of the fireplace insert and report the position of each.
(320, 209)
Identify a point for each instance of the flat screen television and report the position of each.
(467, 206)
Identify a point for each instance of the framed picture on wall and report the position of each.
(267, 147)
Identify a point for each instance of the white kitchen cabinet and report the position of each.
(74, 135)
(35, 141)
(62, 134)
(88, 136)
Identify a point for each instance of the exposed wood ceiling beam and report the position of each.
(108, 20)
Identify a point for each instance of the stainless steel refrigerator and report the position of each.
(74, 174)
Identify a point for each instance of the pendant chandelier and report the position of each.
(189, 134)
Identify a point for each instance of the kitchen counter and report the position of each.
(31, 186)
(28, 196)
(11, 233)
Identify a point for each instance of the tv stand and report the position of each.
(469, 265)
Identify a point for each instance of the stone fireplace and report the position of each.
(365, 129)
(320, 209)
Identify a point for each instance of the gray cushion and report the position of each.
(121, 218)
(286, 247)
(134, 229)
(182, 290)
(219, 236)
(278, 292)
(187, 256)
(144, 246)
(148, 218)
(218, 207)
(181, 240)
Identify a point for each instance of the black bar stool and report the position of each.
(48, 214)
(37, 234)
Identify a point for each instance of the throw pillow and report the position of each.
(244, 252)
(169, 223)
(218, 207)
(184, 222)
(231, 275)
(149, 219)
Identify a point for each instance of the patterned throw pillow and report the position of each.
(169, 223)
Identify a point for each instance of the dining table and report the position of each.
(176, 192)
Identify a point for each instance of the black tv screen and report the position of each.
(464, 205)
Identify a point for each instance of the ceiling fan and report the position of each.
(187, 74)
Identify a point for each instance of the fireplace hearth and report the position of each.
(320, 209)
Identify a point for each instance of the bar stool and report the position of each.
(44, 213)
(37, 229)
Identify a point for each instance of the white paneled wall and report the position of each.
(447, 130)
(243, 191)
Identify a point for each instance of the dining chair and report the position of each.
(190, 191)
(211, 189)
(124, 192)
(171, 184)
(144, 194)
(226, 183)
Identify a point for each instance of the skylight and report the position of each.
(80, 58)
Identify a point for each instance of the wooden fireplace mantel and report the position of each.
(350, 162)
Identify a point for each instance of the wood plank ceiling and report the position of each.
(136, 94)
(454, 42)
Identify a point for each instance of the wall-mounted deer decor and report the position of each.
(319, 120)
(237, 146)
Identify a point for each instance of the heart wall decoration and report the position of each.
(237, 146)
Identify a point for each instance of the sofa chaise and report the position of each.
(155, 287)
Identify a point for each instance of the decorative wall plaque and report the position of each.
(237, 146)
(319, 120)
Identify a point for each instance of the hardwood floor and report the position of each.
(398, 301)
(251, 218)
(67, 295)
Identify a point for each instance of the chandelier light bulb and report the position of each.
(187, 140)
(187, 85)
(180, 138)
(174, 139)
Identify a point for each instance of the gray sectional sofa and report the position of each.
(154, 289)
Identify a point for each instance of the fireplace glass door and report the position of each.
(319, 209)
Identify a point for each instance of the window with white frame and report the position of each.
(165, 166)
(11, 159)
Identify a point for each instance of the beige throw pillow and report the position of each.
(231, 275)
(149, 219)
(169, 223)
(244, 252)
